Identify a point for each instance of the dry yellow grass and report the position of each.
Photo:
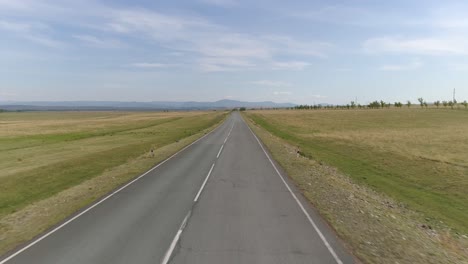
(416, 156)
(377, 228)
(62, 161)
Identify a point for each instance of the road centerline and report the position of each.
(168, 254)
(219, 152)
(204, 183)
(225, 140)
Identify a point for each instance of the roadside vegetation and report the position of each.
(54, 163)
(392, 182)
(453, 104)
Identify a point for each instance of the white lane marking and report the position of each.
(324, 240)
(168, 254)
(101, 201)
(228, 134)
(203, 185)
(219, 152)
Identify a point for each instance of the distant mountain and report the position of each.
(156, 105)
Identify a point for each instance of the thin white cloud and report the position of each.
(318, 96)
(290, 65)
(415, 64)
(211, 47)
(282, 93)
(160, 27)
(13, 5)
(425, 46)
(96, 42)
(149, 65)
(214, 64)
(288, 45)
(337, 14)
(32, 32)
(45, 41)
(218, 48)
(14, 27)
(272, 83)
(221, 3)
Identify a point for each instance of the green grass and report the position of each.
(56, 151)
(416, 156)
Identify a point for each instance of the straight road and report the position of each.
(221, 200)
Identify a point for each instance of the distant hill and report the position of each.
(115, 105)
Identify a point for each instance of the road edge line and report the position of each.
(311, 221)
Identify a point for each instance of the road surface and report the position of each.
(220, 200)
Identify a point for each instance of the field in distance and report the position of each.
(417, 156)
(46, 159)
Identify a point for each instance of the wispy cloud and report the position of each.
(34, 32)
(318, 96)
(424, 46)
(290, 65)
(93, 41)
(221, 3)
(14, 26)
(282, 93)
(149, 65)
(415, 64)
(272, 83)
(212, 47)
(218, 48)
(336, 14)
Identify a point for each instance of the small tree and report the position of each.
(445, 103)
(437, 103)
(382, 103)
(374, 104)
(408, 103)
(465, 104)
(451, 104)
(421, 101)
(353, 104)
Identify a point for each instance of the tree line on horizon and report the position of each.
(382, 104)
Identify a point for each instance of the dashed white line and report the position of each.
(168, 254)
(322, 237)
(219, 152)
(204, 183)
(100, 201)
(228, 134)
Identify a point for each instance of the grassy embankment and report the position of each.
(416, 157)
(53, 163)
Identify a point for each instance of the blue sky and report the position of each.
(205, 50)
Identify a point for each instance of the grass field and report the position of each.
(53, 163)
(418, 157)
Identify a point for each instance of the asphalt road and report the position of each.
(221, 200)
